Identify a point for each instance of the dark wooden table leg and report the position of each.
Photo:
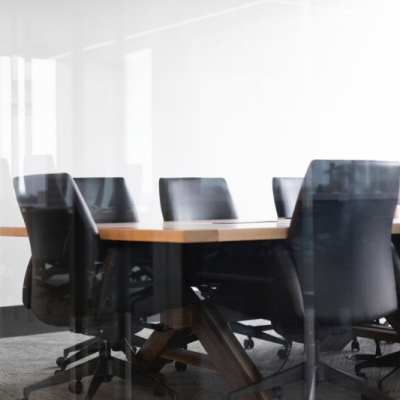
(150, 353)
(225, 351)
(226, 354)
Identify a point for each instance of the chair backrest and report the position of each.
(285, 191)
(189, 199)
(108, 199)
(340, 238)
(65, 248)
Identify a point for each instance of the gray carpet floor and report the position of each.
(24, 360)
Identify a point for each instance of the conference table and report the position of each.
(205, 319)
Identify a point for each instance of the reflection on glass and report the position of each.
(138, 112)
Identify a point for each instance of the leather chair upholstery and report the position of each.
(109, 201)
(285, 191)
(339, 246)
(189, 199)
(71, 274)
(210, 199)
(390, 359)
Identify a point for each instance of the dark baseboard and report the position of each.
(19, 321)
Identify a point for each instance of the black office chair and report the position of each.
(285, 191)
(335, 271)
(391, 359)
(108, 200)
(80, 283)
(189, 199)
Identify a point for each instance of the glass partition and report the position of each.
(235, 89)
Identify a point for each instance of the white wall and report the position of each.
(246, 90)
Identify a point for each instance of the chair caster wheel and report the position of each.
(355, 346)
(60, 361)
(248, 343)
(282, 354)
(75, 387)
(180, 366)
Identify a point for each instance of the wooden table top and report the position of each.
(13, 231)
(190, 231)
(195, 231)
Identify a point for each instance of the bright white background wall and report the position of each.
(146, 89)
